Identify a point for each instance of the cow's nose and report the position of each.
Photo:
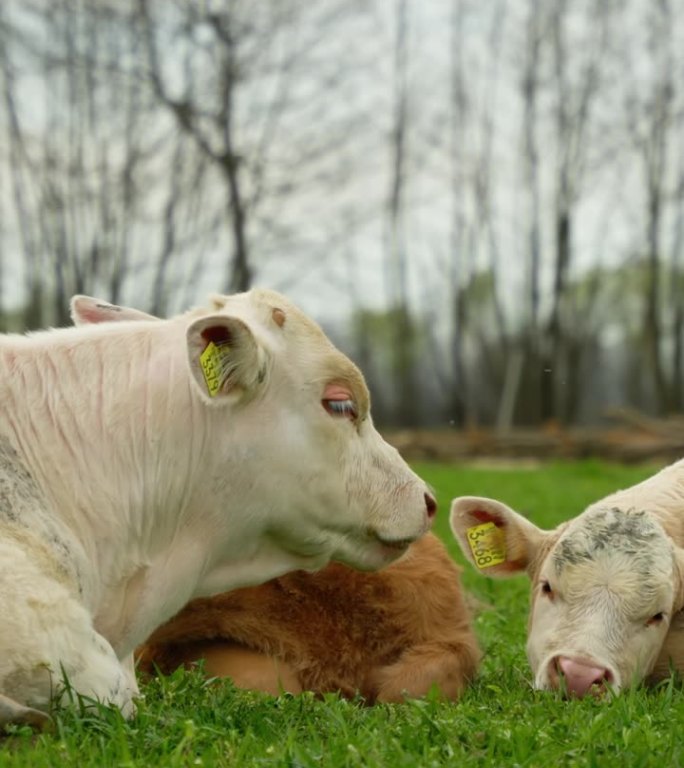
(430, 506)
(583, 676)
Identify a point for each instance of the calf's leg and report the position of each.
(445, 666)
(248, 669)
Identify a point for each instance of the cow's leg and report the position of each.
(89, 671)
(74, 661)
(128, 665)
(47, 637)
(13, 713)
(95, 673)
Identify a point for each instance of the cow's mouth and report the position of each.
(371, 551)
(396, 545)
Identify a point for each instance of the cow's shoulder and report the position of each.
(27, 521)
(20, 496)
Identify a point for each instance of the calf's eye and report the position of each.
(657, 618)
(546, 589)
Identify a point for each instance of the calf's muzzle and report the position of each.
(580, 676)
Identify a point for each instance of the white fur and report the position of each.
(143, 493)
(601, 607)
(611, 570)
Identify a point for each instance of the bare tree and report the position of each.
(17, 161)
(677, 283)
(76, 167)
(655, 120)
(397, 275)
(530, 90)
(459, 400)
(575, 98)
(242, 72)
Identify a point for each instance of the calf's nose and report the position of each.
(430, 506)
(582, 677)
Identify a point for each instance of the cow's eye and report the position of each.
(546, 589)
(344, 408)
(657, 618)
(338, 401)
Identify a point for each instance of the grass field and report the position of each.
(184, 720)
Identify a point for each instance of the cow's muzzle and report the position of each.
(580, 676)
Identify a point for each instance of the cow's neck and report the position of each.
(92, 422)
(131, 464)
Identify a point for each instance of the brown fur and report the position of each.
(383, 635)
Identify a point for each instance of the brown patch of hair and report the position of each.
(382, 635)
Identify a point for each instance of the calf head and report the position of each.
(605, 587)
(325, 481)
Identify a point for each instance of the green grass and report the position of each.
(500, 721)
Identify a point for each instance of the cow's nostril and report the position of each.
(431, 506)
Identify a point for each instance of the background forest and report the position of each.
(482, 202)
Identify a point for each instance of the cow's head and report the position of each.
(301, 435)
(605, 586)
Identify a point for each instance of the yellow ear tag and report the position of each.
(211, 363)
(488, 545)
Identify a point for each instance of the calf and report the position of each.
(143, 464)
(607, 585)
(382, 635)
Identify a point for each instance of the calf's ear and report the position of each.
(86, 310)
(496, 540)
(226, 360)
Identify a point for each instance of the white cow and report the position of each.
(146, 463)
(606, 585)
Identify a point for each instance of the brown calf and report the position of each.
(384, 635)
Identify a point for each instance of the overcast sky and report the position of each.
(338, 255)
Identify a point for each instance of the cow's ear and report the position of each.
(218, 300)
(679, 578)
(496, 540)
(226, 360)
(86, 310)
(670, 520)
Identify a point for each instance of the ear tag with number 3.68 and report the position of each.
(488, 545)
(211, 361)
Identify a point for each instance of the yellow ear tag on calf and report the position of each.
(211, 363)
(488, 545)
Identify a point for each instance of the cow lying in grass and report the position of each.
(143, 464)
(382, 635)
(607, 586)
